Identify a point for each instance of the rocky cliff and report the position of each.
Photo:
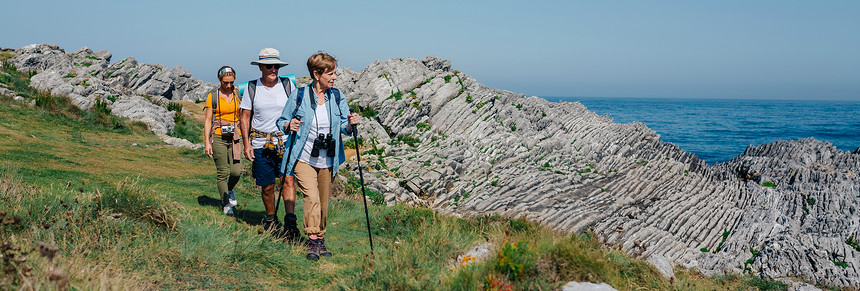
(780, 210)
(441, 139)
(135, 90)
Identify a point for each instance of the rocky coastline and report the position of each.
(781, 210)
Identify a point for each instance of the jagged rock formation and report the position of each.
(131, 89)
(477, 150)
(442, 139)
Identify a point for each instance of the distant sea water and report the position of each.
(719, 130)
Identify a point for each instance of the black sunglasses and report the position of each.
(269, 66)
(228, 83)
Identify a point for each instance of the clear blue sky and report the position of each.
(684, 49)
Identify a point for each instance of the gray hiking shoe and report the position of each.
(232, 198)
(228, 209)
(313, 251)
(322, 249)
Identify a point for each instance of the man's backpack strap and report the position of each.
(251, 88)
(288, 85)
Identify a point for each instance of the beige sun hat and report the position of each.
(269, 56)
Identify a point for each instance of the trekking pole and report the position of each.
(284, 177)
(363, 197)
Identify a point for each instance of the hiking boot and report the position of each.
(323, 250)
(291, 231)
(228, 209)
(232, 198)
(313, 251)
(273, 226)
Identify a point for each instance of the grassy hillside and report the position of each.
(91, 201)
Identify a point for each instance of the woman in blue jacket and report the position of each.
(318, 114)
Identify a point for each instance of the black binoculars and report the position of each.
(323, 141)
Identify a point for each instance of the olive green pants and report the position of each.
(228, 168)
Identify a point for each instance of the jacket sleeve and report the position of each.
(287, 114)
(344, 120)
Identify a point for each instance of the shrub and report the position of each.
(7, 55)
(854, 244)
(469, 98)
(408, 139)
(515, 260)
(186, 128)
(725, 236)
(174, 106)
(350, 143)
(769, 184)
(369, 112)
(448, 79)
(423, 126)
(841, 264)
(376, 197)
(396, 95)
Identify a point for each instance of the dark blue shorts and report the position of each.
(266, 166)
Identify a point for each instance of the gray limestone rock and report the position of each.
(586, 286)
(436, 64)
(135, 107)
(42, 57)
(178, 142)
(85, 76)
(662, 264)
(471, 150)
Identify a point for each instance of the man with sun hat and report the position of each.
(262, 103)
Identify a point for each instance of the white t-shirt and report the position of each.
(320, 124)
(268, 105)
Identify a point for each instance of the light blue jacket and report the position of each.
(337, 118)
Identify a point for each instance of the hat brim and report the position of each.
(269, 62)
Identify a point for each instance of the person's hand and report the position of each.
(208, 149)
(249, 153)
(295, 124)
(353, 118)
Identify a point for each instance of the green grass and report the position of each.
(408, 139)
(423, 126)
(853, 243)
(186, 128)
(396, 95)
(123, 211)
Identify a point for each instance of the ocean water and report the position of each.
(719, 130)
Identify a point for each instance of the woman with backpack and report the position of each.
(223, 141)
(317, 114)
